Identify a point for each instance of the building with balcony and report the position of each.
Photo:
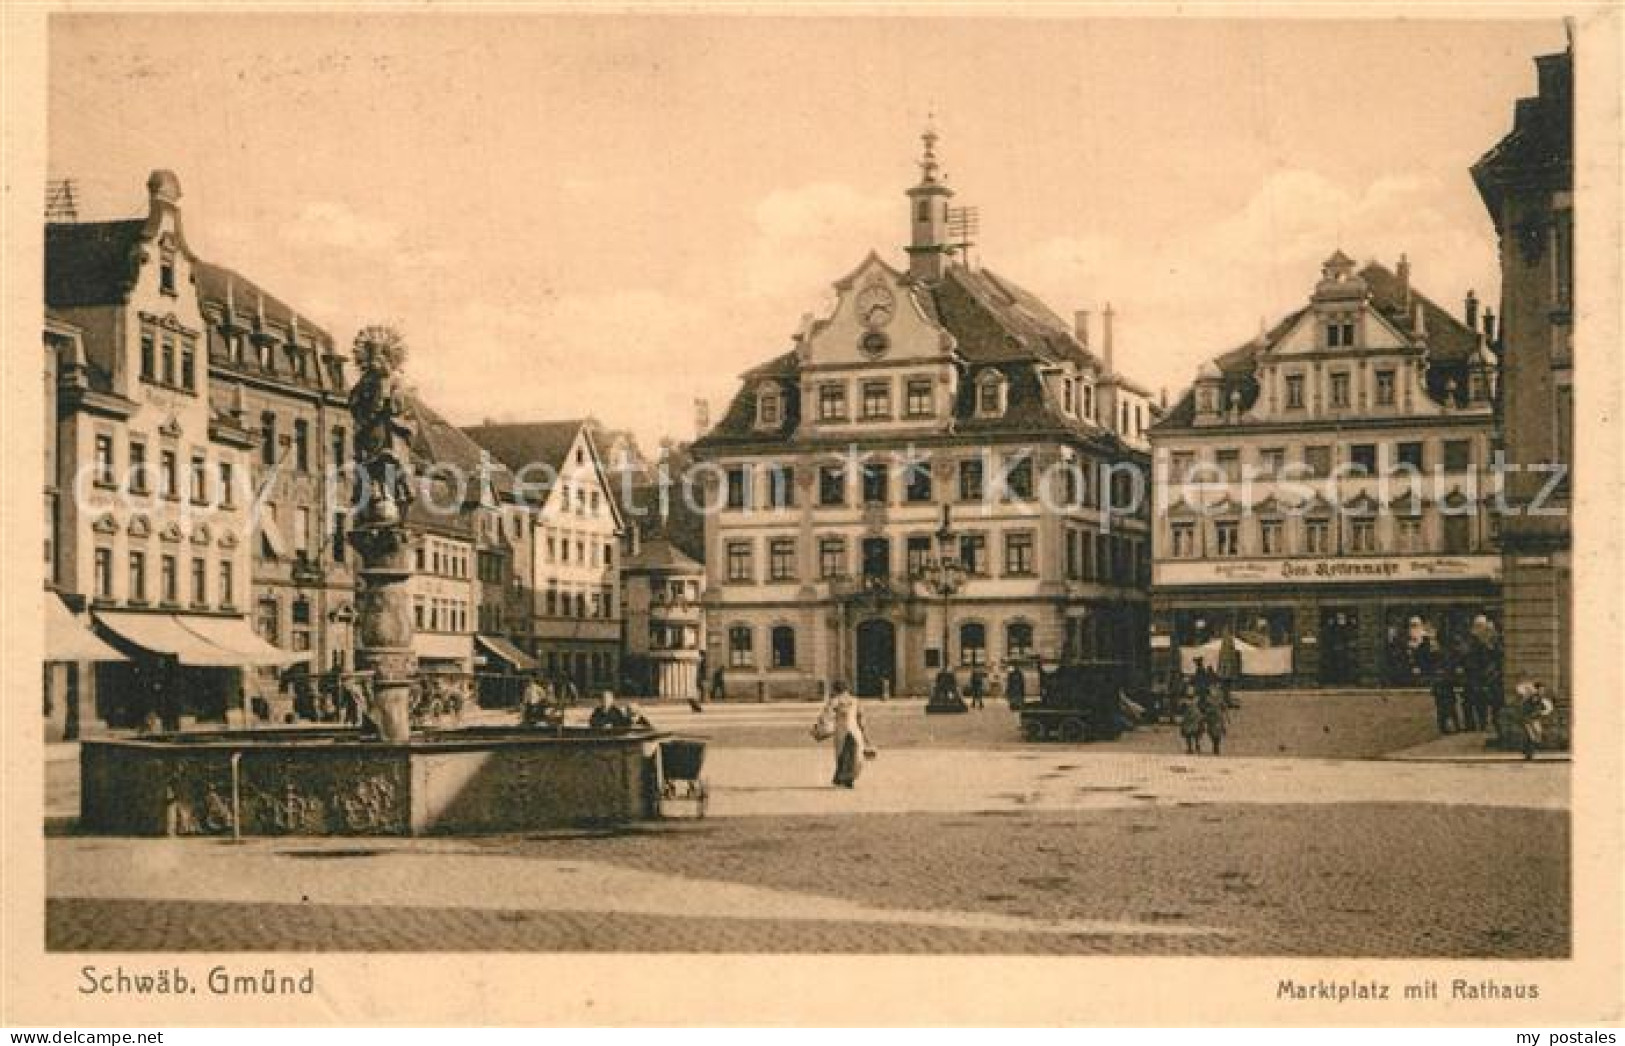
(1527, 184)
(936, 387)
(1325, 494)
(152, 506)
(665, 621)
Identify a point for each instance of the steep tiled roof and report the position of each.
(1540, 147)
(995, 320)
(523, 444)
(213, 281)
(1450, 345)
(684, 525)
(90, 263)
(996, 325)
(439, 442)
(659, 553)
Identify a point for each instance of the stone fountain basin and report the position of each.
(463, 781)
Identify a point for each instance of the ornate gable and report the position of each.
(877, 319)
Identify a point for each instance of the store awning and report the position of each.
(195, 640)
(506, 651)
(233, 633)
(68, 637)
(164, 634)
(444, 646)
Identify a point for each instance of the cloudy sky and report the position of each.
(576, 214)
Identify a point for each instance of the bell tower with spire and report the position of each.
(928, 215)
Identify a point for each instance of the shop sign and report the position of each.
(1314, 570)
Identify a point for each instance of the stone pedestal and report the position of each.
(384, 621)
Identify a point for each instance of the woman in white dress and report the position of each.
(844, 714)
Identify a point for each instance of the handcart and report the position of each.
(678, 766)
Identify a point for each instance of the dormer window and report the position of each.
(166, 273)
(1068, 396)
(769, 407)
(1089, 402)
(1208, 400)
(990, 394)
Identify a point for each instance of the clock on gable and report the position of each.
(876, 305)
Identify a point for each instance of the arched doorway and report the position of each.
(877, 657)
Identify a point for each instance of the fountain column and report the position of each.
(378, 531)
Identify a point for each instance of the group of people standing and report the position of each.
(1203, 710)
(1465, 678)
(945, 690)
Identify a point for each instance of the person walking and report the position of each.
(1190, 723)
(1015, 686)
(978, 687)
(1534, 707)
(1203, 679)
(843, 716)
(1209, 705)
(1215, 718)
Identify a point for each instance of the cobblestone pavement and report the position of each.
(958, 839)
(1360, 724)
(1358, 880)
(767, 782)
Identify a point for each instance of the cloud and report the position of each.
(807, 237)
(326, 224)
(626, 356)
(1188, 294)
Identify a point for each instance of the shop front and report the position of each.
(71, 652)
(179, 667)
(1372, 621)
(501, 671)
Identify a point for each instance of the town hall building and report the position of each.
(935, 474)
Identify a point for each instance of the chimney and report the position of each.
(1489, 327)
(1080, 327)
(1470, 311)
(1403, 271)
(1162, 397)
(1106, 339)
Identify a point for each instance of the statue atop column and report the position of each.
(383, 426)
(383, 457)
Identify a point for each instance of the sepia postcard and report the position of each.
(894, 515)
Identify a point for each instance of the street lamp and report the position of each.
(944, 575)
